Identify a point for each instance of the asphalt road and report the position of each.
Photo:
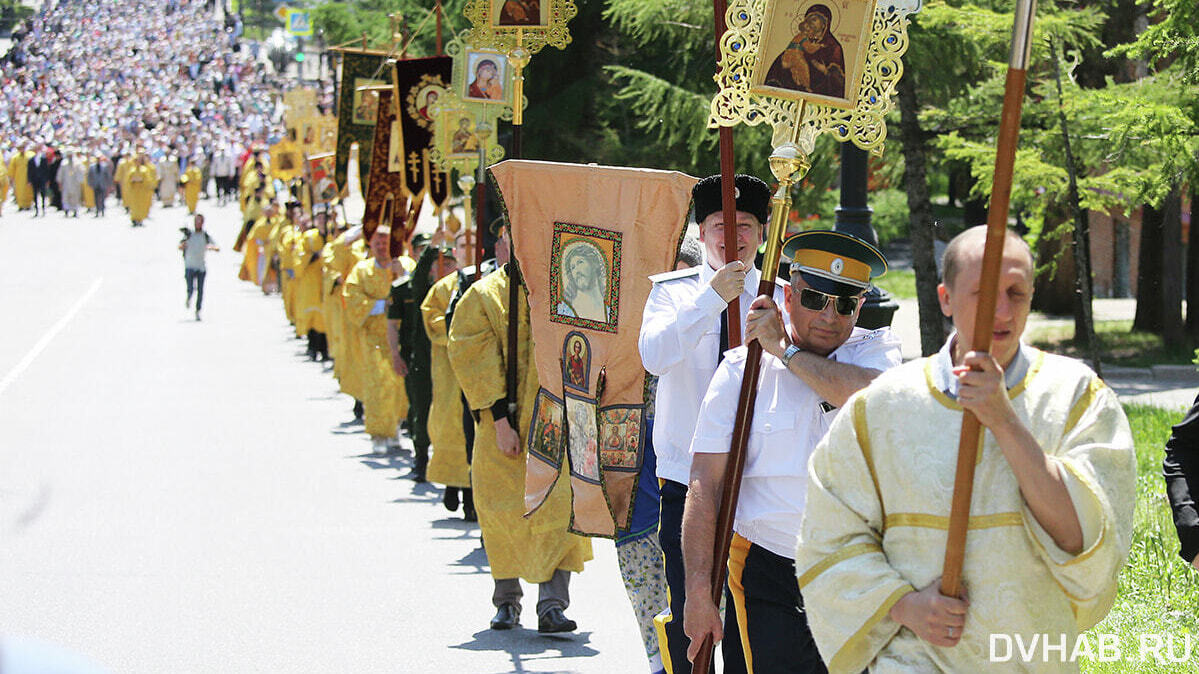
(183, 496)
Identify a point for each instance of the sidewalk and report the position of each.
(1168, 386)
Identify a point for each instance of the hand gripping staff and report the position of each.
(970, 442)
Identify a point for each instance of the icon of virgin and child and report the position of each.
(814, 61)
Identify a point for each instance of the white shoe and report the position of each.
(394, 443)
(379, 446)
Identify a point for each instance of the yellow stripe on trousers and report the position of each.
(738, 551)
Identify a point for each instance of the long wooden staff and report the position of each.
(514, 281)
(519, 58)
(728, 200)
(970, 440)
(788, 164)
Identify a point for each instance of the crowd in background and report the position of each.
(89, 86)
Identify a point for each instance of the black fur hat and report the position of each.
(753, 197)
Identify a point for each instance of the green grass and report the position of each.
(1158, 592)
(1118, 344)
(899, 283)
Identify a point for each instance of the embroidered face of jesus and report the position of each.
(584, 276)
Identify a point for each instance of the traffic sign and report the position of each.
(299, 22)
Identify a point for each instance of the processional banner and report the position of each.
(420, 83)
(357, 110)
(589, 237)
(386, 200)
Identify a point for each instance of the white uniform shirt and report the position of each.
(680, 342)
(789, 419)
(223, 165)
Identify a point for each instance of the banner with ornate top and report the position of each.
(806, 67)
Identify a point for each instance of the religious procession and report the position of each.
(820, 337)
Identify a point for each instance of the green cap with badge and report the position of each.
(834, 263)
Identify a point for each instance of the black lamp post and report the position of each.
(853, 217)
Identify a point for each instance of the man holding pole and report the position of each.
(816, 365)
(1052, 513)
(684, 333)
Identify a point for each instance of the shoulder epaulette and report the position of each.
(674, 275)
(735, 354)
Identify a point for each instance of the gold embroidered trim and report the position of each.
(836, 558)
(1083, 404)
(1103, 527)
(926, 521)
(861, 430)
(1038, 360)
(855, 642)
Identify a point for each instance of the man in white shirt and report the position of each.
(684, 332)
(195, 245)
(807, 373)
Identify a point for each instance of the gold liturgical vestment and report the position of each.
(309, 313)
(878, 499)
(448, 464)
(383, 400)
(138, 190)
(531, 547)
(191, 180)
(18, 173)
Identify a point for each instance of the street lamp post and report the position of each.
(853, 217)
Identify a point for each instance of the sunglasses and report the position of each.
(815, 300)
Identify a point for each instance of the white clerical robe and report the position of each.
(878, 499)
(168, 179)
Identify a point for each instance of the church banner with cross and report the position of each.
(589, 238)
(420, 83)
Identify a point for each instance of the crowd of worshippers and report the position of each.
(108, 97)
(840, 528)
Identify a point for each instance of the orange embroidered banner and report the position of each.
(587, 239)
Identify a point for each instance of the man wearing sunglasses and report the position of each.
(684, 334)
(814, 360)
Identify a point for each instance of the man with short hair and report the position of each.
(808, 370)
(537, 548)
(195, 245)
(684, 332)
(1052, 509)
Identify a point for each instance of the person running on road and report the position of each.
(195, 245)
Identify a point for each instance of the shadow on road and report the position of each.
(467, 529)
(475, 560)
(526, 645)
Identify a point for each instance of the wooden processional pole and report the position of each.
(728, 200)
(519, 58)
(970, 440)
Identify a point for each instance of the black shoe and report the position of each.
(450, 499)
(468, 513)
(554, 621)
(507, 617)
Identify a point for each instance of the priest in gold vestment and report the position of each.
(537, 548)
(1052, 513)
(366, 291)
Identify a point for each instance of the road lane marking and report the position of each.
(46, 338)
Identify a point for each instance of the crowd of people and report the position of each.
(422, 347)
(137, 99)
